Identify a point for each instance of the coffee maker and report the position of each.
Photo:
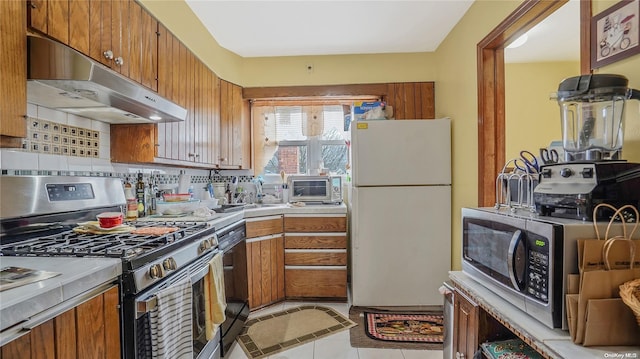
(593, 172)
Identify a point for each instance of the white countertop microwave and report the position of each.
(318, 189)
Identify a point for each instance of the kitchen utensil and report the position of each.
(177, 197)
(591, 110)
(549, 156)
(177, 207)
(527, 162)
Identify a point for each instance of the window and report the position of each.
(299, 139)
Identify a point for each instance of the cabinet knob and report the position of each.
(191, 154)
(119, 61)
(108, 55)
(222, 159)
(32, 5)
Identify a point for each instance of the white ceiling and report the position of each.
(264, 28)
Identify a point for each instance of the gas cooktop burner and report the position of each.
(116, 245)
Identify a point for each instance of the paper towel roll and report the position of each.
(184, 181)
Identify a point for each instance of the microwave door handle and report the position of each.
(516, 239)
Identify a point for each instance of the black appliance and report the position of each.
(232, 243)
(574, 189)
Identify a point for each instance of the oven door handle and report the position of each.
(516, 241)
(200, 273)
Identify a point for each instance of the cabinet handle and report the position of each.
(197, 155)
(191, 155)
(108, 55)
(119, 61)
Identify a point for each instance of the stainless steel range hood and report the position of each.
(63, 79)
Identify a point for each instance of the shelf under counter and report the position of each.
(551, 343)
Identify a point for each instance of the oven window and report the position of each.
(489, 247)
(310, 188)
(199, 324)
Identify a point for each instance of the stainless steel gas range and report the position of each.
(39, 218)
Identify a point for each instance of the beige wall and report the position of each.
(533, 120)
(452, 67)
(344, 69)
(629, 67)
(177, 16)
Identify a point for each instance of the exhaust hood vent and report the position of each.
(66, 80)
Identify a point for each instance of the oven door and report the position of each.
(494, 246)
(145, 304)
(310, 189)
(232, 243)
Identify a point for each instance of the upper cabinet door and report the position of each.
(120, 37)
(13, 72)
(79, 28)
(100, 32)
(37, 15)
(58, 20)
(149, 58)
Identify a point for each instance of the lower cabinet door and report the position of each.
(316, 281)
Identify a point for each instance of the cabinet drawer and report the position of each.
(258, 227)
(315, 224)
(319, 283)
(296, 257)
(303, 241)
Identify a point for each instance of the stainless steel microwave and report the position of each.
(321, 189)
(524, 258)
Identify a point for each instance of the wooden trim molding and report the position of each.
(491, 84)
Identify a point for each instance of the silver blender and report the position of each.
(592, 115)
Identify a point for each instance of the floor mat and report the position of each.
(284, 330)
(360, 339)
(405, 327)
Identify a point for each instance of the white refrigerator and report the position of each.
(400, 211)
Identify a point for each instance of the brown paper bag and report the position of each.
(602, 284)
(590, 250)
(610, 322)
(572, 314)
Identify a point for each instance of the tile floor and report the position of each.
(336, 346)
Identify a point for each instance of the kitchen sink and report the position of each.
(226, 208)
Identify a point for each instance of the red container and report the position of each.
(110, 219)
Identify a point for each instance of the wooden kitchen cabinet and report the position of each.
(315, 256)
(465, 332)
(472, 325)
(119, 34)
(235, 127)
(265, 260)
(89, 330)
(13, 73)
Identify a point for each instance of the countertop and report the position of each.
(556, 343)
(286, 208)
(77, 276)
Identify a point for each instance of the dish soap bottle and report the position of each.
(141, 196)
(132, 203)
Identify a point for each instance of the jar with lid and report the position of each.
(131, 213)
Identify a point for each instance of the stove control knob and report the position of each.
(169, 264)
(566, 172)
(205, 245)
(546, 173)
(156, 271)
